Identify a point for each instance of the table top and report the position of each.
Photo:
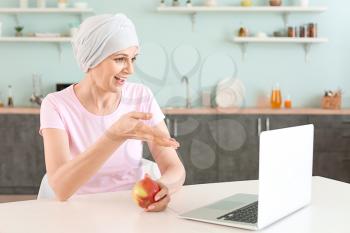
(116, 212)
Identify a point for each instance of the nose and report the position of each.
(129, 67)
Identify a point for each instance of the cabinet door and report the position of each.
(334, 165)
(197, 147)
(237, 142)
(21, 154)
(332, 133)
(331, 147)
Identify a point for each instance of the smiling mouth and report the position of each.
(119, 78)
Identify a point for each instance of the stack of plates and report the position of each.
(230, 93)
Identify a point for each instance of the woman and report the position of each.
(93, 130)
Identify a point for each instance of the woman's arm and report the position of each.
(66, 176)
(171, 168)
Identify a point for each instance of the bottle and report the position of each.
(10, 97)
(1, 103)
(276, 97)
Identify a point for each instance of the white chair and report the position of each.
(46, 192)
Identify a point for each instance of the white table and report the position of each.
(116, 212)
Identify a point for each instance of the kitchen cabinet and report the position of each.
(237, 139)
(22, 163)
(214, 148)
(331, 147)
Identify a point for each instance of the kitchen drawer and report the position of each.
(330, 121)
(332, 139)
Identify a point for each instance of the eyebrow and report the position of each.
(123, 54)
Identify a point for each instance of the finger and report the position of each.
(161, 194)
(156, 135)
(166, 142)
(140, 115)
(143, 137)
(160, 205)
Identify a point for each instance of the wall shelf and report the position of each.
(306, 42)
(57, 40)
(284, 10)
(17, 11)
(36, 39)
(267, 9)
(44, 10)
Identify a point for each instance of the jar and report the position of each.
(288, 102)
(41, 3)
(243, 32)
(302, 31)
(312, 30)
(275, 2)
(291, 32)
(23, 3)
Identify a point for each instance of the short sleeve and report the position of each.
(49, 115)
(152, 106)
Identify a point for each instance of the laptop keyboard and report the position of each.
(247, 214)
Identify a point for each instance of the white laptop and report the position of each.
(285, 173)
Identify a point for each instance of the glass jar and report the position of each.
(288, 102)
(302, 31)
(312, 30)
(291, 32)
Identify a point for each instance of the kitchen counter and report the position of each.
(213, 111)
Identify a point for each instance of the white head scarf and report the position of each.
(100, 36)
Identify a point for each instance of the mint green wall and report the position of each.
(265, 64)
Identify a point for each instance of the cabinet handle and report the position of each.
(267, 122)
(259, 126)
(168, 124)
(175, 127)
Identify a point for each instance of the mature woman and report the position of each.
(93, 130)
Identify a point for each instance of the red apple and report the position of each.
(144, 191)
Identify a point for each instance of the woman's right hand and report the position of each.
(130, 126)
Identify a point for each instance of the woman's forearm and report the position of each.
(69, 177)
(173, 177)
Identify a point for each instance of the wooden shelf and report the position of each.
(267, 9)
(44, 10)
(36, 39)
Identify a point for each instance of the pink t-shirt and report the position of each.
(62, 110)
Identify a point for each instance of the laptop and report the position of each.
(285, 174)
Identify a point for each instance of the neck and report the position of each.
(96, 99)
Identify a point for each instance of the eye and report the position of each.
(133, 59)
(120, 60)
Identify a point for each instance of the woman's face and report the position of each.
(111, 74)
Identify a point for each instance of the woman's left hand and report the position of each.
(162, 199)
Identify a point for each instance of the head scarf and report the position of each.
(100, 36)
